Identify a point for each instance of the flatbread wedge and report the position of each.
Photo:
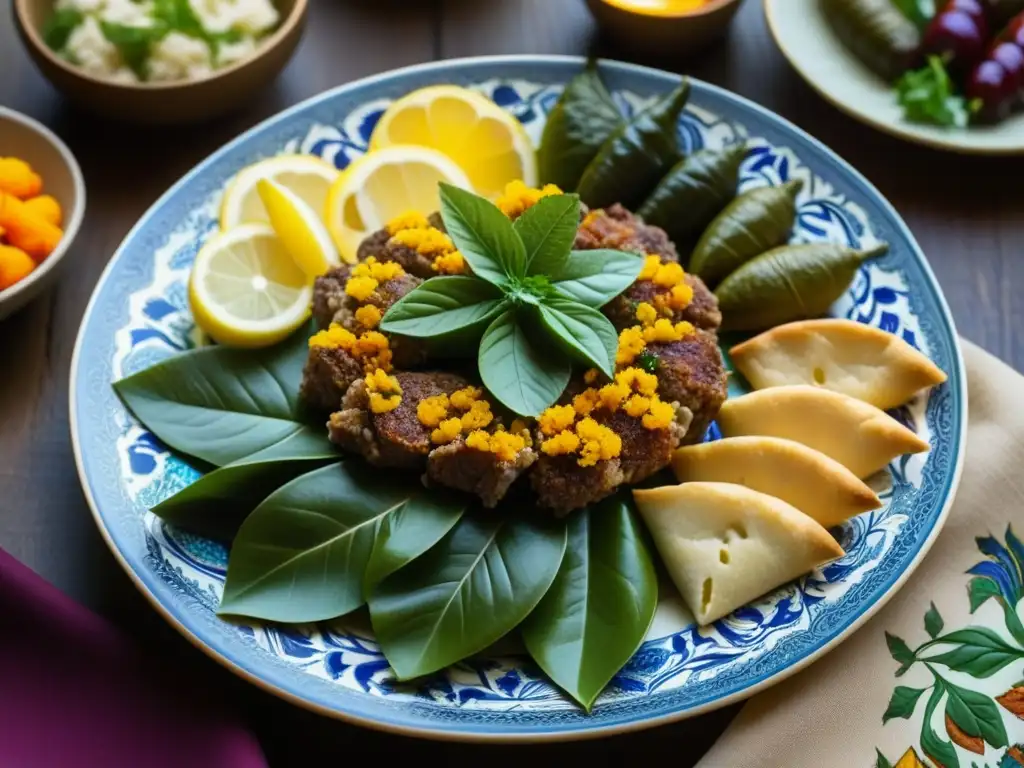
(841, 355)
(861, 437)
(803, 477)
(725, 545)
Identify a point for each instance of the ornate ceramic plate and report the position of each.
(810, 45)
(139, 315)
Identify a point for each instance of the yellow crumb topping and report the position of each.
(678, 298)
(407, 220)
(361, 288)
(385, 392)
(478, 416)
(597, 442)
(556, 418)
(368, 316)
(638, 380)
(452, 263)
(591, 217)
(431, 411)
(668, 275)
(335, 337)
(612, 395)
(660, 414)
(464, 398)
(631, 344)
(517, 197)
(561, 444)
(586, 401)
(428, 242)
(447, 431)
(504, 445)
(637, 405)
(521, 428)
(665, 332)
(650, 268)
(591, 375)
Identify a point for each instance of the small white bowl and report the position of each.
(25, 138)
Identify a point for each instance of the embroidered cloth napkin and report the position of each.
(937, 676)
(76, 693)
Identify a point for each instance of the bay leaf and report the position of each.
(476, 585)
(633, 159)
(794, 282)
(306, 552)
(598, 610)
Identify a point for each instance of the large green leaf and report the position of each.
(976, 714)
(902, 703)
(601, 604)
(596, 277)
(305, 553)
(979, 652)
(444, 306)
(484, 236)
(472, 588)
(217, 503)
(548, 231)
(582, 120)
(938, 750)
(901, 652)
(221, 404)
(523, 377)
(583, 332)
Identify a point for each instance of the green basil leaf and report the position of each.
(305, 553)
(979, 652)
(584, 117)
(524, 378)
(548, 231)
(484, 236)
(471, 589)
(59, 26)
(637, 155)
(976, 715)
(582, 331)
(601, 604)
(596, 277)
(221, 404)
(217, 503)
(444, 305)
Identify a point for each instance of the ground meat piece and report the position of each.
(644, 451)
(562, 485)
(329, 294)
(326, 377)
(406, 352)
(395, 438)
(379, 244)
(458, 466)
(702, 311)
(617, 228)
(691, 373)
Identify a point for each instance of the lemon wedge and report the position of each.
(300, 228)
(307, 176)
(245, 289)
(487, 142)
(384, 184)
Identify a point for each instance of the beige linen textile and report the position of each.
(831, 714)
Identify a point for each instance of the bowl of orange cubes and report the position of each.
(42, 200)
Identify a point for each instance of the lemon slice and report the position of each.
(300, 228)
(307, 176)
(384, 184)
(246, 290)
(487, 142)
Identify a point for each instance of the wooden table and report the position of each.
(966, 213)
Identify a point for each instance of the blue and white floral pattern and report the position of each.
(140, 315)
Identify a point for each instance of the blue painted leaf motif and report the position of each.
(763, 159)
(647, 661)
(334, 664)
(473, 694)
(143, 452)
(508, 682)
(885, 295)
(505, 95)
(784, 169)
(364, 672)
(368, 124)
(139, 335)
(889, 322)
(679, 644)
(158, 309)
(295, 645)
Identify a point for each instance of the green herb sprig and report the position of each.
(928, 95)
(530, 308)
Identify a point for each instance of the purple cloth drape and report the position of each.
(76, 693)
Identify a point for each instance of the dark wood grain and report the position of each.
(966, 213)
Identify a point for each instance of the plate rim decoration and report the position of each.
(235, 654)
(962, 141)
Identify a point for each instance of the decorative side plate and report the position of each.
(139, 315)
(808, 42)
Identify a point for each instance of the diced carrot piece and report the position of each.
(15, 265)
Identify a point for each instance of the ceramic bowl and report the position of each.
(163, 103)
(665, 33)
(23, 137)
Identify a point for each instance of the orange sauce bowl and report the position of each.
(666, 28)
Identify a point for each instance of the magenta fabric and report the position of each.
(76, 693)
